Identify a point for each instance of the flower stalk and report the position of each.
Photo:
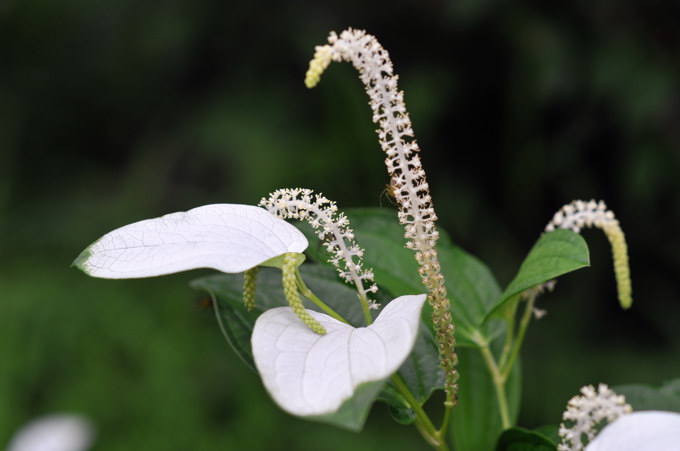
(333, 230)
(407, 177)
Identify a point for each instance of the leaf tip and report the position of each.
(81, 260)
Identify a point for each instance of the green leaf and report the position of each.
(353, 412)
(382, 237)
(236, 323)
(476, 421)
(472, 291)
(554, 254)
(226, 291)
(421, 373)
(471, 286)
(647, 397)
(518, 439)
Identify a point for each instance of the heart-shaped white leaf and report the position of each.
(227, 237)
(312, 375)
(640, 431)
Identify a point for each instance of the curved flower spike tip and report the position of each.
(227, 237)
(313, 375)
(640, 431)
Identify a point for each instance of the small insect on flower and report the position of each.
(390, 192)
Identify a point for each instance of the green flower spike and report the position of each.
(579, 214)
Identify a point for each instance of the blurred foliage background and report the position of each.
(120, 110)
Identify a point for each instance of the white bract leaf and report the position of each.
(309, 374)
(227, 237)
(640, 431)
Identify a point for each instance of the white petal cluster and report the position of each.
(584, 412)
(331, 227)
(579, 214)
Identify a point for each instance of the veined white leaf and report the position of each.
(312, 375)
(649, 430)
(228, 237)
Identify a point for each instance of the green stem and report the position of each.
(509, 318)
(434, 437)
(499, 384)
(306, 292)
(523, 325)
(364, 305)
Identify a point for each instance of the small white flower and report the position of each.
(309, 374)
(640, 431)
(584, 412)
(228, 237)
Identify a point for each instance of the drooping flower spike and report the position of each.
(333, 230)
(579, 214)
(407, 177)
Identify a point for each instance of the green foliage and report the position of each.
(476, 421)
(554, 254)
(648, 397)
(170, 102)
(518, 439)
(420, 372)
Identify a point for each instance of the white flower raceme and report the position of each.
(407, 176)
(312, 375)
(640, 431)
(333, 230)
(228, 237)
(579, 214)
(584, 412)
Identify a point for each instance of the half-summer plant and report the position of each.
(387, 308)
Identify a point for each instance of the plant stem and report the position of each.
(306, 292)
(499, 384)
(509, 317)
(364, 305)
(519, 339)
(434, 437)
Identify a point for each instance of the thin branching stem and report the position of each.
(434, 437)
(498, 383)
(519, 339)
(306, 292)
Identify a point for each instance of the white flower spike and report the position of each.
(640, 431)
(584, 412)
(313, 375)
(231, 238)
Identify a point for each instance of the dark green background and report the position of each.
(119, 110)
